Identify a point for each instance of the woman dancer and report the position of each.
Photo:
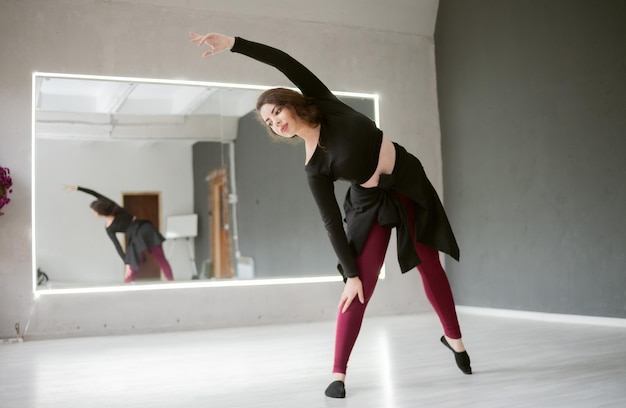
(141, 235)
(388, 189)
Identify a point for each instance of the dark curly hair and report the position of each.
(303, 106)
(103, 206)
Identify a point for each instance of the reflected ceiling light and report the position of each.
(137, 287)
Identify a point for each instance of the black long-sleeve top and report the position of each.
(121, 221)
(348, 147)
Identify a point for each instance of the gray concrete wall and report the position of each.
(532, 100)
(385, 48)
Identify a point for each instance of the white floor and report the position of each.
(397, 362)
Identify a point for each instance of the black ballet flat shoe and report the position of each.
(336, 389)
(462, 358)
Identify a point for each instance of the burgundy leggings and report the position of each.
(158, 254)
(370, 261)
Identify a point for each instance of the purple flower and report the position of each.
(6, 185)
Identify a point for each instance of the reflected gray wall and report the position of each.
(532, 98)
(276, 211)
(73, 247)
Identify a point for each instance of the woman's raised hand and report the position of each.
(216, 42)
(69, 188)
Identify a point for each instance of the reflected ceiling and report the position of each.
(91, 109)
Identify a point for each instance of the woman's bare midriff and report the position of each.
(386, 162)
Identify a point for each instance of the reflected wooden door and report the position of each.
(219, 220)
(145, 206)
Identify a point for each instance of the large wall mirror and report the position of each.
(232, 203)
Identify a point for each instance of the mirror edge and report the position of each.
(37, 75)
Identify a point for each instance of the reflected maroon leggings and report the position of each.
(158, 254)
(370, 261)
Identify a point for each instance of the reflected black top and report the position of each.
(141, 235)
(348, 148)
(121, 222)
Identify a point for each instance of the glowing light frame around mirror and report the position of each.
(162, 285)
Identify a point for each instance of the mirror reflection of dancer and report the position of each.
(388, 189)
(141, 235)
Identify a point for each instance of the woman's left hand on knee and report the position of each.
(352, 289)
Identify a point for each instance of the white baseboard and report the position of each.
(546, 317)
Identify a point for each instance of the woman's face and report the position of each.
(280, 119)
